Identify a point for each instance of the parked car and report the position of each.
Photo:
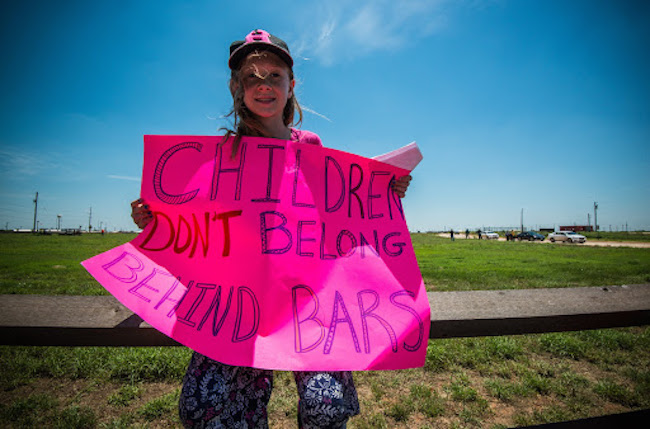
(530, 236)
(489, 235)
(570, 236)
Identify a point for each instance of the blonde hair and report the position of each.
(244, 122)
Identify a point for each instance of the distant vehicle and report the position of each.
(70, 231)
(570, 236)
(530, 236)
(489, 235)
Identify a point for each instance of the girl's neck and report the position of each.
(276, 129)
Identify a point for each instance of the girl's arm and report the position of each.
(401, 185)
(140, 213)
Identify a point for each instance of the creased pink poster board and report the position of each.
(288, 256)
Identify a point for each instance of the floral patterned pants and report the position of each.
(216, 395)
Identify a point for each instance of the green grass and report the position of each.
(505, 390)
(474, 264)
(123, 364)
(465, 382)
(427, 400)
(544, 416)
(166, 405)
(34, 264)
(460, 380)
(50, 264)
(42, 410)
(618, 236)
(125, 395)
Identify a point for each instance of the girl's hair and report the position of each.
(244, 123)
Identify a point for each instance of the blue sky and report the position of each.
(536, 105)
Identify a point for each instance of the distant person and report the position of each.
(217, 395)
(467, 233)
(508, 235)
(479, 234)
(451, 232)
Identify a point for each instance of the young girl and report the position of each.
(215, 395)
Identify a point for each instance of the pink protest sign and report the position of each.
(284, 256)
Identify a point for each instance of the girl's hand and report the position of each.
(140, 213)
(401, 185)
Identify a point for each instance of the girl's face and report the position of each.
(267, 84)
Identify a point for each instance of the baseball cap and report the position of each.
(262, 40)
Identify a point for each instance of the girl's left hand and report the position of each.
(401, 185)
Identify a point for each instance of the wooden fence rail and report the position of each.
(37, 320)
(40, 320)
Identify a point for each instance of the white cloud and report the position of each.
(313, 112)
(129, 178)
(342, 30)
(16, 162)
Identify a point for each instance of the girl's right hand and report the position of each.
(401, 185)
(140, 213)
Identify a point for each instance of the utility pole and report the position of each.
(35, 210)
(522, 220)
(596, 216)
(588, 219)
(90, 217)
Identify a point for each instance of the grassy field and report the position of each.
(618, 236)
(482, 264)
(473, 382)
(50, 264)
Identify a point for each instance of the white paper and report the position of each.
(406, 157)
